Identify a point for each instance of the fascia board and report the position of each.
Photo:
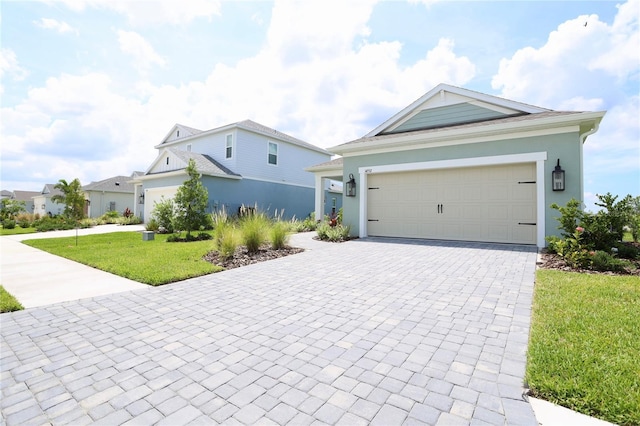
(490, 99)
(558, 124)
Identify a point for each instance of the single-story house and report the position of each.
(112, 194)
(42, 203)
(462, 165)
(27, 197)
(244, 163)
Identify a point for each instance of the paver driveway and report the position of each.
(370, 331)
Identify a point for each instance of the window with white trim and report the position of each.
(188, 147)
(273, 153)
(229, 146)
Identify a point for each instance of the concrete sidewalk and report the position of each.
(37, 278)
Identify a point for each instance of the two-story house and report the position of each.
(243, 163)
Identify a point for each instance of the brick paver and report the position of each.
(370, 331)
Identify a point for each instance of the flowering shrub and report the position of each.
(594, 240)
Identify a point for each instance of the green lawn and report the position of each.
(8, 303)
(17, 230)
(584, 351)
(153, 262)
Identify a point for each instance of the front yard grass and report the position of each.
(152, 262)
(17, 230)
(8, 303)
(584, 350)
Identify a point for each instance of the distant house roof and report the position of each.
(24, 195)
(248, 125)
(113, 184)
(6, 194)
(50, 190)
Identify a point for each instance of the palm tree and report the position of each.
(72, 197)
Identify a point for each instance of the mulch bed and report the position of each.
(553, 261)
(242, 257)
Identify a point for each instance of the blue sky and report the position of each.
(89, 87)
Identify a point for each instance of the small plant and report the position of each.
(152, 225)
(253, 228)
(226, 242)
(279, 235)
(336, 233)
(163, 214)
(9, 224)
(127, 213)
(603, 261)
(308, 224)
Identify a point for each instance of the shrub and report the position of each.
(163, 214)
(570, 216)
(308, 224)
(336, 233)
(253, 229)
(152, 225)
(279, 235)
(129, 220)
(9, 224)
(127, 213)
(226, 241)
(603, 261)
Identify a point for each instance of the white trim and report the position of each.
(534, 157)
(226, 146)
(269, 143)
(440, 89)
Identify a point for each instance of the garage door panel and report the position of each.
(477, 204)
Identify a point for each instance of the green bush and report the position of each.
(253, 229)
(308, 224)
(163, 214)
(226, 241)
(337, 233)
(152, 225)
(603, 261)
(9, 224)
(279, 235)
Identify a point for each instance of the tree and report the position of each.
(72, 197)
(11, 208)
(191, 202)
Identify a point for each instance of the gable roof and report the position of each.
(428, 110)
(112, 184)
(204, 164)
(49, 190)
(248, 125)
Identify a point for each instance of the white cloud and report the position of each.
(152, 12)
(619, 56)
(144, 56)
(575, 56)
(309, 76)
(52, 24)
(9, 66)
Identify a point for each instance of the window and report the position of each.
(167, 161)
(229, 146)
(178, 134)
(273, 153)
(188, 147)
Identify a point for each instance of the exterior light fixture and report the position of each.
(141, 199)
(351, 186)
(557, 178)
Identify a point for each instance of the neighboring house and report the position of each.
(112, 194)
(5, 194)
(27, 197)
(243, 163)
(461, 165)
(42, 203)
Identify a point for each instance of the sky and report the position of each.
(89, 87)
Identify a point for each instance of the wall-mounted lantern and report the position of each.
(141, 199)
(351, 186)
(557, 178)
